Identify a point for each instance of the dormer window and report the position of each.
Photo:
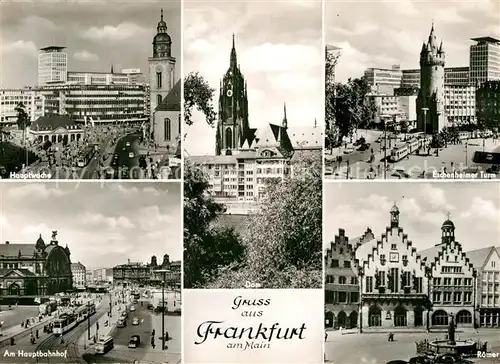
(393, 247)
(382, 259)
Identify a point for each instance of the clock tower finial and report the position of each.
(161, 14)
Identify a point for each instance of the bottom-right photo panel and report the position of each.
(412, 272)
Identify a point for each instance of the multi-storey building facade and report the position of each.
(487, 263)
(459, 104)
(96, 103)
(10, 98)
(341, 282)
(484, 60)
(393, 280)
(430, 100)
(161, 66)
(52, 65)
(34, 269)
(452, 76)
(453, 280)
(79, 275)
(125, 77)
(488, 104)
(384, 80)
(140, 273)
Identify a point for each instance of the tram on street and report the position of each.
(69, 320)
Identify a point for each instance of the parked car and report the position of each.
(135, 321)
(121, 323)
(132, 308)
(135, 341)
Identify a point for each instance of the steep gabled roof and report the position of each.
(13, 250)
(479, 257)
(172, 102)
(53, 122)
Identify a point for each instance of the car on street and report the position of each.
(131, 155)
(132, 308)
(124, 314)
(348, 150)
(364, 147)
(150, 306)
(135, 341)
(122, 322)
(127, 144)
(135, 321)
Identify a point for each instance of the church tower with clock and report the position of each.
(232, 125)
(161, 66)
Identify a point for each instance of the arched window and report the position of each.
(167, 131)
(158, 80)
(158, 100)
(229, 139)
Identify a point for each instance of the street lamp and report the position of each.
(88, 320)
(164, 271)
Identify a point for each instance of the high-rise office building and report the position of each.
(52, 65)
(484, 60)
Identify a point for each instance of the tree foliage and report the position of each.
(206, 248)
(23, 120)
(283, 241)
(198, 94)
(353, 108)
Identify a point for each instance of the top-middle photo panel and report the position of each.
(254, 134)
(412, 90)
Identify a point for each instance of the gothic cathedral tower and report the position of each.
(431, 117)
(232, 124)
(161, 66)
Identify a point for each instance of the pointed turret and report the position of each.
(432, 39)
(233, 61)
(112, 71)
(441, 48)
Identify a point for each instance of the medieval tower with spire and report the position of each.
(232, 124)
(161, 65)
(431, 117)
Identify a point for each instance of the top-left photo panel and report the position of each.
(90, 90)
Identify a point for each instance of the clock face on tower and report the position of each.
(159, 68)
(229, 93)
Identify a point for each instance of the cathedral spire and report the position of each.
(112, 69)
(285, 121)
(233, 55)
(161, 14)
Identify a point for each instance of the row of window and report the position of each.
(339, 297)
(456, 281)
(458, 297)
(330, 279)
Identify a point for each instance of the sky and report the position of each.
(383, 33)
(279, 49)
(104, 224)
(474, 208)
(97, 34)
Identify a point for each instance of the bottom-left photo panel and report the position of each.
(90, 272)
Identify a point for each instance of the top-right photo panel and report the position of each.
(412, 89)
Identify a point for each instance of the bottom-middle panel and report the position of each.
(253, 326)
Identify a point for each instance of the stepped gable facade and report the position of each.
(394, 281)
(453, 281)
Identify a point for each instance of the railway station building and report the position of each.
(35, 269)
